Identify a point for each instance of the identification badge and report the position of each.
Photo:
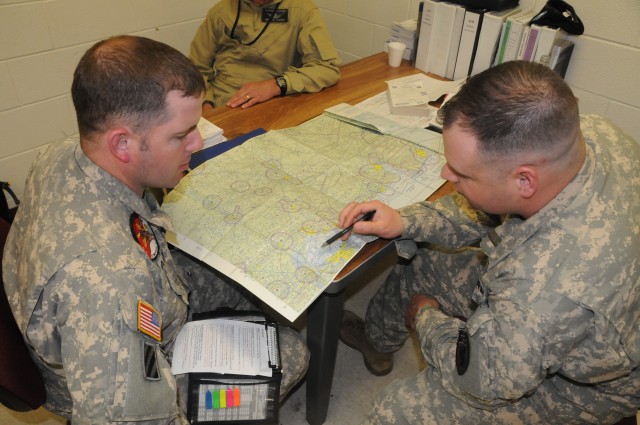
(149, 320)
(143, 234)
(280, 15)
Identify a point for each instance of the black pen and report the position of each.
(365, 216)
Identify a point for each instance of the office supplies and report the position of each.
(490, 38)
(211, 133)
(424, 36)
(409, 95)
(405, 32)
(511, 36)
(364, 217)
(237, 376)
(560, 55)
(468, 43)
(445, 37)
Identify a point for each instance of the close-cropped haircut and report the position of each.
(516, 107)
(126, 79)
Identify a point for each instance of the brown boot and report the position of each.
(352, 333)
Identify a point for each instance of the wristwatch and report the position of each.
(282, 83)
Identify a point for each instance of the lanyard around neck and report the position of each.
(233, 29)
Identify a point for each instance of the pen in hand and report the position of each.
(365, 216)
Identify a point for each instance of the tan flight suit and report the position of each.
(300, 49)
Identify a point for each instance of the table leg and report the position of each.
(323, 327)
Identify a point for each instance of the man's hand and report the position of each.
(254, 92)
(417, 302)
(386, 221)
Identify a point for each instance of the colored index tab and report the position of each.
(223, 399)
(208, 400)
(230, 397)
(236, 396)
(216, 399)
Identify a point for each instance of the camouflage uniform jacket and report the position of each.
(558, 302)
(300, 49)
(85, 261)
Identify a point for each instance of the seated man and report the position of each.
(523, 286)
(252, 50)
(87, 255)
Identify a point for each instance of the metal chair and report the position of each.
(21, 384)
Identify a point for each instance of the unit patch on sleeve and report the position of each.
(143, 234)
(149, 320)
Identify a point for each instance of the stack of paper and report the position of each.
(409, 96)
(405, 32)
(211, 133)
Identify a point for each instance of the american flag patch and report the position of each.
(149, 321)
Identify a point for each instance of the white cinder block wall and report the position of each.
(41, 42)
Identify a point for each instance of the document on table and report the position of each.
(385, 125)
(222, 346)
(260, 212)
(380, 105)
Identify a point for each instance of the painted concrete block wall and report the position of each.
(41, 42)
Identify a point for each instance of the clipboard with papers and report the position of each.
(234, 368)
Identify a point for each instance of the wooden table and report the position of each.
(359, 80)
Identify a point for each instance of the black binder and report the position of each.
(215, 398)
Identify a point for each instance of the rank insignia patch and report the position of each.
(149, 321)
(143, 234)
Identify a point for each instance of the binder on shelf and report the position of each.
(445, 38)
(511, 36)
(454, 41)
(425, 27)
(490, 38)
(468, 43)
(236, 379)
(548, 36)
(561, 55)
(529, 43)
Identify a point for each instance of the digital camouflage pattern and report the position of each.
(300, 49)
(551, 302)
(76, 264)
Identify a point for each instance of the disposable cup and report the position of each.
(396, 50)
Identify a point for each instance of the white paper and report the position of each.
(222, 346)
(211, 133)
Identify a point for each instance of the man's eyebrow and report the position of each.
(189, 130)
(455, 170)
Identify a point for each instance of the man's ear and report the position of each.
(119, 141)
(527, 180)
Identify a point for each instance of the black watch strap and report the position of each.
(282, 83)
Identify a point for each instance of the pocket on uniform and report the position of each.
(141, 382)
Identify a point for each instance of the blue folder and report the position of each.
(199, 157)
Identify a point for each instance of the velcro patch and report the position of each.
(149, 320)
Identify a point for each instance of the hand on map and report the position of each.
(386, 222)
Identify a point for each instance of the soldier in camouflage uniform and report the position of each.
(523, 286)
(87, 269)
